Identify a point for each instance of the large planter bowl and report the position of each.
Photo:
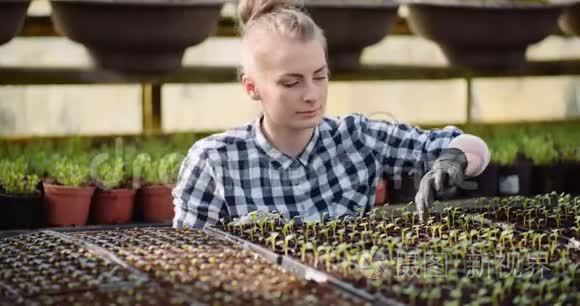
(485, 35)
(12, 15)
(350, 26)
(137, 36)
(570, 20)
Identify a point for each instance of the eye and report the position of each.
(320, 78)
(289, 84)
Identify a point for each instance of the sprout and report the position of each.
(333, 224)
(413, 293)
(341, 235)
(303, 248)
(345, 265)
(272, 239)
(286, 242)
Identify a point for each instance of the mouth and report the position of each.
(311, 113)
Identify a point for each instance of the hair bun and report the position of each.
(249, 10)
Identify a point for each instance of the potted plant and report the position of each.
(514, 169)
(12, 15)
(482, 34)
(156, 179)
(20, 196)
(67, 194)
(571, 165)
(350, 26)
(112, 203)
(546, 172)
(143, 37)
(567, 141)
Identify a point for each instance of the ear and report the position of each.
(250, 88)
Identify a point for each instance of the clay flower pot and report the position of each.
(65, 206)
(137, 36)
(484, 35)
(156, 203)
(20, 211)
(113, 206)
(350, 26)
(12, 15)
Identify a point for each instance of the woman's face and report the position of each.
(291, 81)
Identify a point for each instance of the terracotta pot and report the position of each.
(113, 206)
(12, 15)
(350, 26)
(484, 35)
(20, 211)
(138, 37)
(156, 203)
(65, 206)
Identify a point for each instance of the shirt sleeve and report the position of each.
(196, 199)
(403, 149)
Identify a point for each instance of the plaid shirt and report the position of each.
(234, 173)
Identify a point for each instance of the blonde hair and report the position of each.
(283, 17)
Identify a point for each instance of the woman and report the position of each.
(292, 159)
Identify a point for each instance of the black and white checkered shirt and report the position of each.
(239, 171)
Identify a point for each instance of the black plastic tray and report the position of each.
(84, 228)
(304, 271)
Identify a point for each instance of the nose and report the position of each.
(311, 92)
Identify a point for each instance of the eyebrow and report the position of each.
(298, 75)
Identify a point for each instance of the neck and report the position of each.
(291, 142)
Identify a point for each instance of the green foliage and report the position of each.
(503, 151)
(164, 170)
(567, 141)
(144, 170)
(540, 149)
(72, 172)
(109, 172)
(169, 167)
(14, 177)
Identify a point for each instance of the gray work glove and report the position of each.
(443, 179)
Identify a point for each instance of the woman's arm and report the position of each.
(195, 196)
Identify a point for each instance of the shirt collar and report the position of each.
(284, 160)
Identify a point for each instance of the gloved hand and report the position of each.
(443, 179)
